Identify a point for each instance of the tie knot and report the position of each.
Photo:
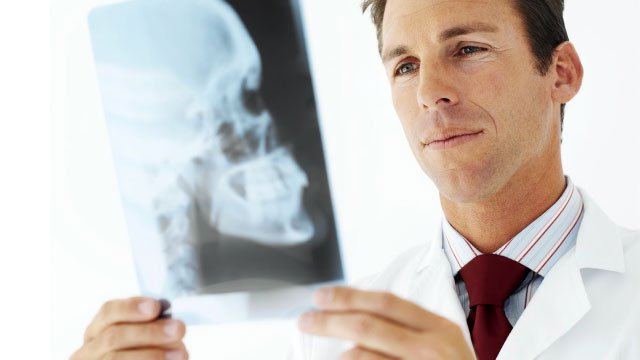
(490, 279)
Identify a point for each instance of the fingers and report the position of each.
(383, 304)
(119, 337)
(367, 330)
(179, 353)
(359, 353)
(175, 351)
(382, 324)
(131, 310)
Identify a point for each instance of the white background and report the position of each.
(384, 203)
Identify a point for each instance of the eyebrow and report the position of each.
(444, 36)
(466, 29)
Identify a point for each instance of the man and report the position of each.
(525, 265)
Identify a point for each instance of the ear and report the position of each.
(567, 72)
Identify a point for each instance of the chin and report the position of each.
(465, 185)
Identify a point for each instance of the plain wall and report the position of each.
(384, 203)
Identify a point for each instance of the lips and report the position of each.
(448, 139)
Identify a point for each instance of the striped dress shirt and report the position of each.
(538, 247)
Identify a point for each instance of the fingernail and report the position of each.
(171, 329)
(174, 355)
(146, 307)
(323, 296)
(306, 321)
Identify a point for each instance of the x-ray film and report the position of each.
(214, 133)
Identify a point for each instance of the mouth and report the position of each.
(448, 141)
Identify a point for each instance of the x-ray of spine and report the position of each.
(192, 139)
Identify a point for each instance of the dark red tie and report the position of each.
(490, 279)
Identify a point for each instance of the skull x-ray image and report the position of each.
(211, 118)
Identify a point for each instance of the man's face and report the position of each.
(463, 71)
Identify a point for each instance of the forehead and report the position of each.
(404, 19)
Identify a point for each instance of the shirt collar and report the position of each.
(538, 246)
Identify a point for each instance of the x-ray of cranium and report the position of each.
(212, 123)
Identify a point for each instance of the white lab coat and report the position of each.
(587, 307)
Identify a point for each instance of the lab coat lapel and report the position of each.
(562, 300)
(559, 303)
(434, 287)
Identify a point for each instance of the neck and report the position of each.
(491, 222)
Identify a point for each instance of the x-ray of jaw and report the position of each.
(199, 161)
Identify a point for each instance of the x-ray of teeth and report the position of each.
(215, 140)
(261, 199)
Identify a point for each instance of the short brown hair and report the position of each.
(543, 20)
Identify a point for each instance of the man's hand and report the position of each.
(130, 329)
(383, 326)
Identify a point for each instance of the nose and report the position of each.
(435, 89)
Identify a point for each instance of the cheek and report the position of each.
(524, 120)
(510, 97)
(529, 105)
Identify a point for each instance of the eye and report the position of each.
(405, 68)
(470, 50)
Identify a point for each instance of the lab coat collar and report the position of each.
(434, 249)
(599, 245)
